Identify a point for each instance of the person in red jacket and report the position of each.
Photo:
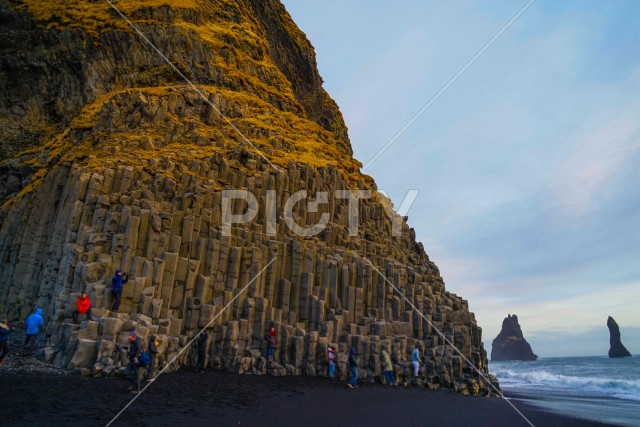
(84, 307)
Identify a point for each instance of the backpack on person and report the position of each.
(143, 360)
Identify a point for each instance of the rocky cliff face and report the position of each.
(617, 349)
(112, 161)
(510, 343)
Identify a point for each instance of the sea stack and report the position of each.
(112, 160)
(617, 349)
(510, 343)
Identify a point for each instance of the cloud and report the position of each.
(583, 179)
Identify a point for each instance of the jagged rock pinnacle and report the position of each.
(617, 349)
(510, 343)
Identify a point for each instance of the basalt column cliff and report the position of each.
(111, 160)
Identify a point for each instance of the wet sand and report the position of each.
(218, 398)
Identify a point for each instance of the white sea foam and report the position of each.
(591, 388)
(545, 380)
(592, 376)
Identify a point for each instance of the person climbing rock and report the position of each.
(84, 307)
(331, 358)
(387, 368)
(35, 325)
(202, 351)
(415, 360)
(5, 331)
(353, 368)
(117, 282)
(271, 343)
(154, 342)
(132, 370)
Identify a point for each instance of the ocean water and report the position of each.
(593, 388)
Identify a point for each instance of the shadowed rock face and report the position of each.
(616, 349)
(510, 343)
(111, 161)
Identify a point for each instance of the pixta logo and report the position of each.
(231, 199)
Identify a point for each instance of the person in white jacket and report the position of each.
(415, 360)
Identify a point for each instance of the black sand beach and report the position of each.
(217, 398)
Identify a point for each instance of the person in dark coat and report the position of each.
(35, 325)
(202, 351)
(353, 369)
(154, 342)
(5, 331)
(117, 283)
(135, 349)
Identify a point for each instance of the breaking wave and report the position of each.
(544, 380)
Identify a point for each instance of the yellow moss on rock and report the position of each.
(231, 42)
(93, 16)
(271, 119)
(301, 140)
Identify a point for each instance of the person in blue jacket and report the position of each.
(35, 325)
(117, 282)
(5, 330)
(353, 368)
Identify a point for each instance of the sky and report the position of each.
(527, 166)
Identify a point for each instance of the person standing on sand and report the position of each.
(154, 342)
(132, 370)
(353, 368)
(202, 351)
(5, 331)
(35, 325)
(331, 358)
(387, 368)
(117, 282)
(415, 360)
(84, 307)
(271, 343)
